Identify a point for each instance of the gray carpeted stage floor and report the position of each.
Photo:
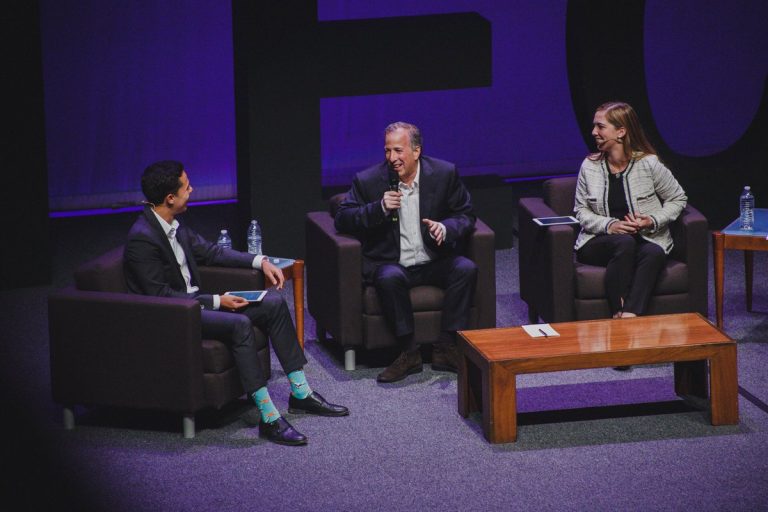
(589, 440)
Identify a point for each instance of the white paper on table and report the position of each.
(540, 330)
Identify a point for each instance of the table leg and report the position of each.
(691, 378)
(748, 259)
(718, 248)
(724, 387)
(462, 385)
(499, 405)
(298, 298)
(470, 387)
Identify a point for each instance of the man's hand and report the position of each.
(274, 274)
(435, 230)
(231, 302)
(641, 220)
(391, 200)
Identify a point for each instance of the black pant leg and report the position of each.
(649, 261)
(393, 283)
(617, 254)
(273, 317)
(457, 276)
(236, 331)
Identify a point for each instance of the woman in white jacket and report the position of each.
(625, 200)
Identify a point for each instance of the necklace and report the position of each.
(620, 170)
(617, 174)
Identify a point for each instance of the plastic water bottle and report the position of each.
(254, 238)
(747, 207)
(224, 239)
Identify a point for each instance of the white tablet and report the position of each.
(250, 295)
(282, 262)
(555, 221)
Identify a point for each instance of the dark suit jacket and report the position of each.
(442, 197)
(150, 266)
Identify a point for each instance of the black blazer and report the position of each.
(150, 266)
(442, 197)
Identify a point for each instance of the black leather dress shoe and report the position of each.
(281, 432)
(314, 403)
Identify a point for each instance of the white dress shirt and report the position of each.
(412, 248)
(181, 258)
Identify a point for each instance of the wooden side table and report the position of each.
(295, 272)
(731, 237)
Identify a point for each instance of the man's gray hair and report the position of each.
(412, 129)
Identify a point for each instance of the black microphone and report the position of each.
(394, 186)
(620, 140)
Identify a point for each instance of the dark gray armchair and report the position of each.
(557, 288)
(110, 347)
(351, 313)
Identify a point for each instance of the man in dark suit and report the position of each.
(412, 213)
(161, 258)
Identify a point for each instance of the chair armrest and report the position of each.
(334, 279)
(127, 350)
(546, 262)
(690, 233)
(481, 249)
(222, 279)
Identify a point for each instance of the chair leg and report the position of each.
(320, 333)
(69, 418)
(349, 359)
(188, 425)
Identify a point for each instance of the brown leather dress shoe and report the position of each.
(407, 363)
(445, 357)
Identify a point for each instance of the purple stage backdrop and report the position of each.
(127, 83)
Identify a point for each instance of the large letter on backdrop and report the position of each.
(606, 62)
(285, 61)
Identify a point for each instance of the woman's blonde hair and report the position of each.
(622, 115)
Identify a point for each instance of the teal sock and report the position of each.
(269, 412)
(299, 387)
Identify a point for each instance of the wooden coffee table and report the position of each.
(492, 358)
